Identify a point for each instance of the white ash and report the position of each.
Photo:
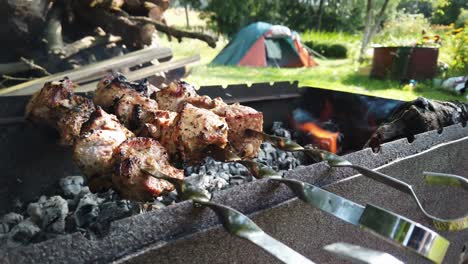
(76, 209)
(71, 185)
(49, 214)
(215, 175)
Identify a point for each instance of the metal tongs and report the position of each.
(334, 160)
(234, 222)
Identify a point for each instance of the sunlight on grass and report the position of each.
(339, 75)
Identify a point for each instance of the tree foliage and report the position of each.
(447, 11)
(228, 16)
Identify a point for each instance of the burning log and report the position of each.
(419, 116)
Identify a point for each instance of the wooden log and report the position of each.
(22, 23)
(134, 34)
(88, 42)
(419, 116)
(53, 31)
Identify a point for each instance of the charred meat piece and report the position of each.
(114, 86)
(239, 118)
(192, 131)
(133, 108)
(42, 107)
(72, 117)
(131, 158)
(172, 96)
(100, 135)
(156, 122)
(206, 102)
(176, 94)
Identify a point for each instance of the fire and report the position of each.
(324, 139)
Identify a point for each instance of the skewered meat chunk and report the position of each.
(239, 118)
(206, 102)
(156, 122)
(131, 158)
(192, 131)
(133, 108)
(178, 93)
(72, 117)
(42, 107)
(100, 135)
(170, 97)
(115, 86)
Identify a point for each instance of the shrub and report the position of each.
(458, 45)
(462, 18)
(403, 30)
(332, 44)
(328, 50)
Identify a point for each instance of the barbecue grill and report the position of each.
(181, 232)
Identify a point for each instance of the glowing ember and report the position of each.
(324, 139)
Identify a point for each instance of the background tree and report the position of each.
(447, 11)
(376, 13)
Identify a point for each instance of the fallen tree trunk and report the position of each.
(419, 116)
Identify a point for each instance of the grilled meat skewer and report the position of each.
(133, 108)
(192, 131)
(112, 87)
(132, 159)
(72, 117)
(238, 117)
(93, 150)
(56, 105)
(43, 105)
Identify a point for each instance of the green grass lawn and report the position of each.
(342, 75)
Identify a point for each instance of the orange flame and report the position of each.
(324, 139)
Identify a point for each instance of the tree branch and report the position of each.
(34, 66)
(178, 34)
(14, 78)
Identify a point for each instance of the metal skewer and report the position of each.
(388, 225)
(392, 227)
(234, 222)
(241, 226)
(334, 160)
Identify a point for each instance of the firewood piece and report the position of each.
(86, 43)
(14, 67)
(135, 34)
(178, 34)
(418, 116)
(22, 23)
(53, 31)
